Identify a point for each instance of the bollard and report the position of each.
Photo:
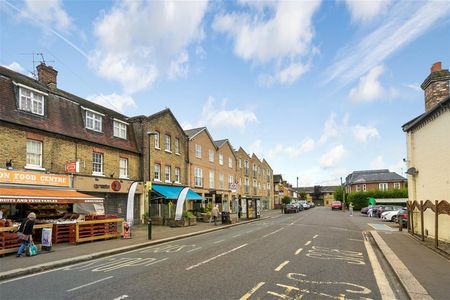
(400, 224)
(149, 223)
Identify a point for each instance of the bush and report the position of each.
(286, 200)
(338, 194)
(361, 199)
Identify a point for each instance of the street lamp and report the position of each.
(149, 222)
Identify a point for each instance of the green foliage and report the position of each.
(188, 214)
(338, 194)
(286, 200)
(202, 210)
(209, 207)
(361, 199)
(303, 195)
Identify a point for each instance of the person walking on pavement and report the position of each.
(215, 213)
(24, 234)
(370, 211)
(350, 208)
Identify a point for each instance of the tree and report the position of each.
(286, 200)
(303, 195)
(339, 194)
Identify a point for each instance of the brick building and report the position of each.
(369, 180)
(226, 174)
(44, 128)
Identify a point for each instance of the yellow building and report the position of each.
(428, 149)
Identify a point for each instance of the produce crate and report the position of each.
(60, 233)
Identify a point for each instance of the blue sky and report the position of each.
(318, 88)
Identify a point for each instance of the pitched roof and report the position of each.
(417, 121)
(191, 133)
(160, 114)
(242, 151)
(277, 178)
(366, 176)
(220, 143)
(64, 113)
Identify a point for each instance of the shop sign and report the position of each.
(72, 167)
(7, 176)
(116, 186)
(92, 184)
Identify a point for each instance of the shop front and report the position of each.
(250, 207)
(115, 193)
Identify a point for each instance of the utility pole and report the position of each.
(343, 196)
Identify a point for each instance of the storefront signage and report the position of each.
(7, 176)
(92, 184)
(72, 167)
(116, 186)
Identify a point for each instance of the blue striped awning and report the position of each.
(172, 192)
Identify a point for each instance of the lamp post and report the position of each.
(343, 195)
(149, 222)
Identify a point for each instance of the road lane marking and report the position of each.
(307, 243)
(315, 236)
(341, 297)
(273, 232)
(215, 257)
(298, 251)
(121, 297)
(252, 291)
(195, 249)
(236, 235)
(355, 240)
(281, 265)
(219, 241)
(90, 283)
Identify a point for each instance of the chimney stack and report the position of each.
(436, 86)
(47, 75)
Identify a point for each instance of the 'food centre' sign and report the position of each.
(7, 176)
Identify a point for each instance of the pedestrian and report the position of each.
(24, 234)
(350, 208)
(282, 208)
(215, 213)
(3, 211)
(370, 211)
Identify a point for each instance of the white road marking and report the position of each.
(307, 243)
(252, 291)
(298, 251)
(236, 235)
(214, 257)
(195, 249)
(355, 240)
(281, 265)
(351, 257)
(90, 283)
(121, 297)
(382, 282)
(273, 232)
(219, 241)
(315, 236)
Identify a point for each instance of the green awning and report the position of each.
(172, 192)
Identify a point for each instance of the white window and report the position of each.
(120, 129)
(34, 154)
(230, 162)
(364, 188)
(157, 172)
(358, 188)
(211, 180)
(177, 146)
(240, 181)
(123, 168)
(221, 181)
(230, 181)
(167, 143)
(97, 163)
(396, 185)
(198, 151)
(93, 121)
(198, 179)
(240, 163)
(177, 175)
(211, 155)
(220, 159)
(157, 140)
(31, 101)
(383, 186)
(167, 173)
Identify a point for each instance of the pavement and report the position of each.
(66, 254)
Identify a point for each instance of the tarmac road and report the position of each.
(314, 254)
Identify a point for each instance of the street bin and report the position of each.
(226, 217)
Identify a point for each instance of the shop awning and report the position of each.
(21, 195)
(172, 192)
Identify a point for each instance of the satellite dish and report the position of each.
(412, 171)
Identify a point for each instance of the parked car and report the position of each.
(383, 208)
(402, 216)
(291, 208)
(312, 204)
(364, 210)
(305, 204)
(336, 205)
(390, 215)
(298, 205)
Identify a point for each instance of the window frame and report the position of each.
(96, 118)
(157, 171)
(220, 159)
(397, 185)
(177, 175)
(168, 143)
(28, 152)
(221, 181)
(211, 157)
(383, 186)
(198, 151)
(167, 167)
(125, 175)
(230, 163)
(120, 123)
(198, 175)
(32, 97)
(177, 146)
(212, 180)
(101, 163)
(157, 140)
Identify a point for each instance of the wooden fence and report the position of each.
(439, 207)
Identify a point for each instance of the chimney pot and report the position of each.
(437, 66)
(47, 75)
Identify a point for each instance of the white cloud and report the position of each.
(282, 151)
(404, 22)
(154, 41)
(332, 128)
(256, 148)
(49, 13)
(234, 118)
(113, 101)
(364, 133)
(414, 86)
(187, 126)
(15, 66)
(378, 163)
(369, 88)
(332, 157)
(363, 11)
(284, 39)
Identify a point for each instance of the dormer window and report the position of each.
(31, 100)
(120, 129)
(93, 120)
